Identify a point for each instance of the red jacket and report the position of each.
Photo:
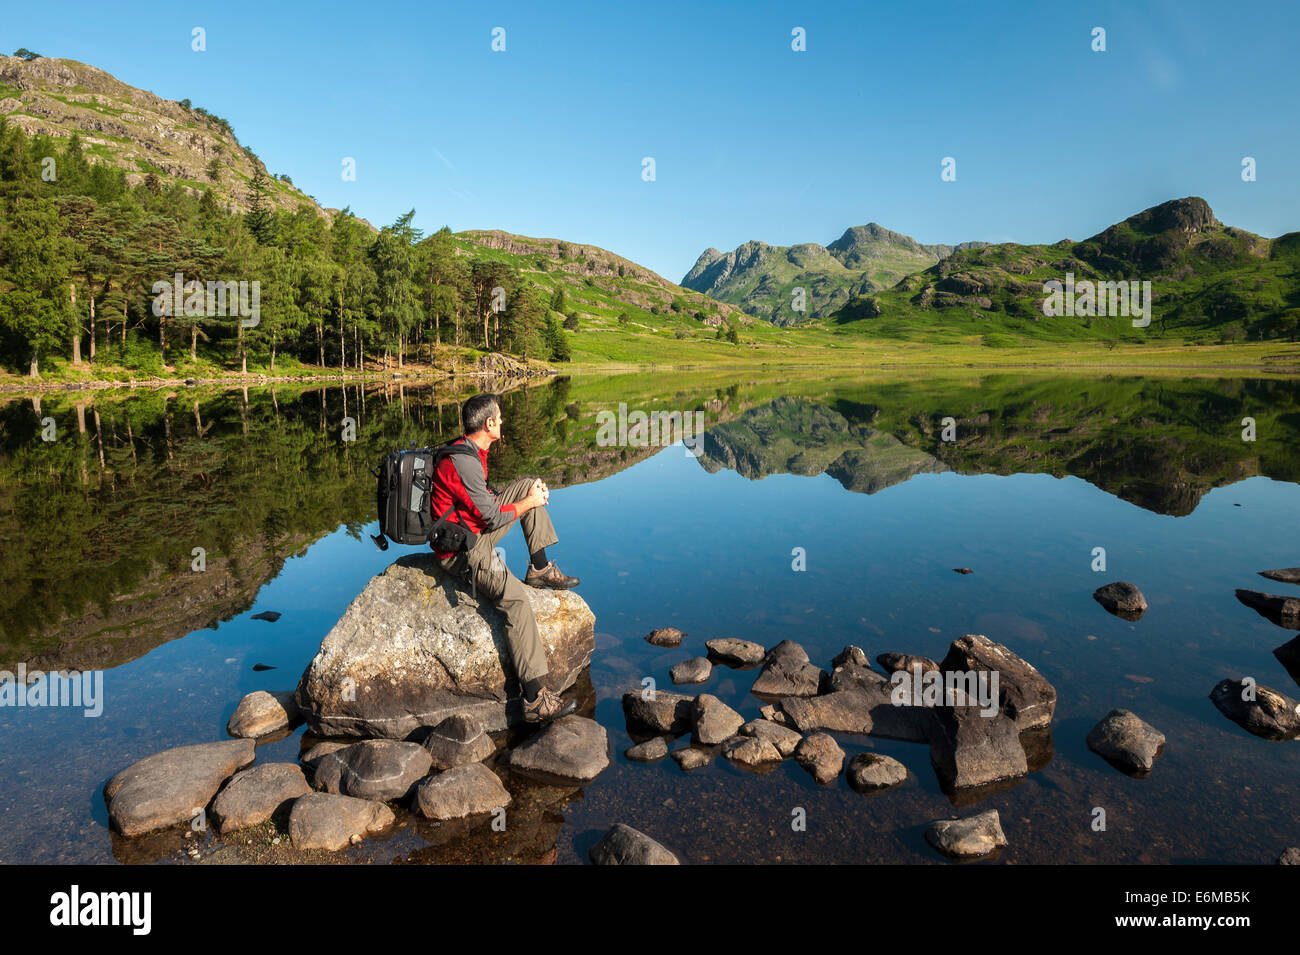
(456, 480)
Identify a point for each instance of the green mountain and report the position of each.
(761, 278)
(1209, 282)
(136, 131)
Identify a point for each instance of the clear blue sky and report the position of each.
(750, 139)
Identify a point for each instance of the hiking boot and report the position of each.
(548, 706)
(549, 576)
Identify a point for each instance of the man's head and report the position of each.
(481, 416)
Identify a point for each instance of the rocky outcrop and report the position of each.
(416, 646)
(173, 786)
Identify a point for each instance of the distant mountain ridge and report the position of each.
(761, 278)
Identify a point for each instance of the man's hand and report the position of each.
(537, 497)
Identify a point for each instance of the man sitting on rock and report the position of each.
(461, 480)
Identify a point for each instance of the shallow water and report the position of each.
(1043, 470)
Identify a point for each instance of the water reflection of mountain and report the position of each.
(793, 436)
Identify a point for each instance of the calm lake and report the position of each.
(825, 510)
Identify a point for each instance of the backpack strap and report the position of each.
(440, 452)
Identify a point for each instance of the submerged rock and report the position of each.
(328, 821)
(694, 670)
(417, 646)
(458, 740)
(571, 749)
(256, 794)
(821, 756)
(871, 772)
(715, 721)
(1283, 611)
(665, 637)
(788, 672)
(465, 790)
(650, 751)
(172, 786)
(1127, 741)
(623, 845)
(380, 769)
(270, 616)
(968, 838)
(659, 711)
(262, 713)
(1122, 599)
(1257, 709)
(736, 653)
(691, 757)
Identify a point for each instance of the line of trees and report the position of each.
(80, 251)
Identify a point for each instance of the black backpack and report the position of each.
(404, 494)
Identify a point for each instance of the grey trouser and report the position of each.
(488, 575)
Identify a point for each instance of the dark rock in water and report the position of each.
(970, 750)
(1122, 599)
(750, 750)
(378, 769)
(1283, 611)
(1289, 856)
(255, 795)
(893, 662)
(788, 672)
(270, 616)
(1286, 575)
(665, 637)
(1126, 741)
(261, 713)
(871, 772)
(260, 667)
(736, 653)
(963, 570)
(458, 740)
(851, 656)
(659, 711)
(694, 670)
(1023, 692)
(385, 670)
(692, 757)
(714, 721)
(781, 737)
(466, 790)
(648, 752)
(821, 756)
(168, 787)
(623, 845)
(572, 749)
(1257, 709)
(1289, 656)
(969, 838)
(327, 821)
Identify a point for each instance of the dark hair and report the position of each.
(477, 410)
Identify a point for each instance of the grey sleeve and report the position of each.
(484, 501)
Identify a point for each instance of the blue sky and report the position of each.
(751, 140)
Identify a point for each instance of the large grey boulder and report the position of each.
(172, 786)
(659, 711)
(1127, 741)
(623, 845)
(327, 821)
(788, 672)
(254, 795)
(1024, 694)
(1257, 709)
(458, 740)
(463, 791)
(380, 769)
(417, 646)
(571, 749)
(261, 713)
